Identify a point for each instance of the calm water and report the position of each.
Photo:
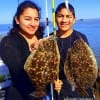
(91, 28)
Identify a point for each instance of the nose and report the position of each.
(65, 19)
(33, 22)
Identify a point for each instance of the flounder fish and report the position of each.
(81, 66)
(42, 64)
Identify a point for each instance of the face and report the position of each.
(28, 21)
(64, 20)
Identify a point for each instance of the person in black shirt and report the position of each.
(66, 35)
(18, 44)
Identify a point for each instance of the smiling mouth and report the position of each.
(31, 29)
(64, 25)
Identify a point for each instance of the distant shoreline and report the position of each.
(79, 19)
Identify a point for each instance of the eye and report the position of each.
(37, 18)
(27, 18)
(59, 16)
(69, 16)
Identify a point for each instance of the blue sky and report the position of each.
(84, 9)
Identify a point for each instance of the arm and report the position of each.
(11, 56)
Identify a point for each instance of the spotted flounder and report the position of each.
(81, 66)
(42, 64)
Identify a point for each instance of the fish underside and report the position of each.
(81, 67)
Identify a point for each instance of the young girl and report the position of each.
(18, 44)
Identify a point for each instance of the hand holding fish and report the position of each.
(58, 85)
(34, 45)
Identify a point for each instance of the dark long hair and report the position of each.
(20, 9)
